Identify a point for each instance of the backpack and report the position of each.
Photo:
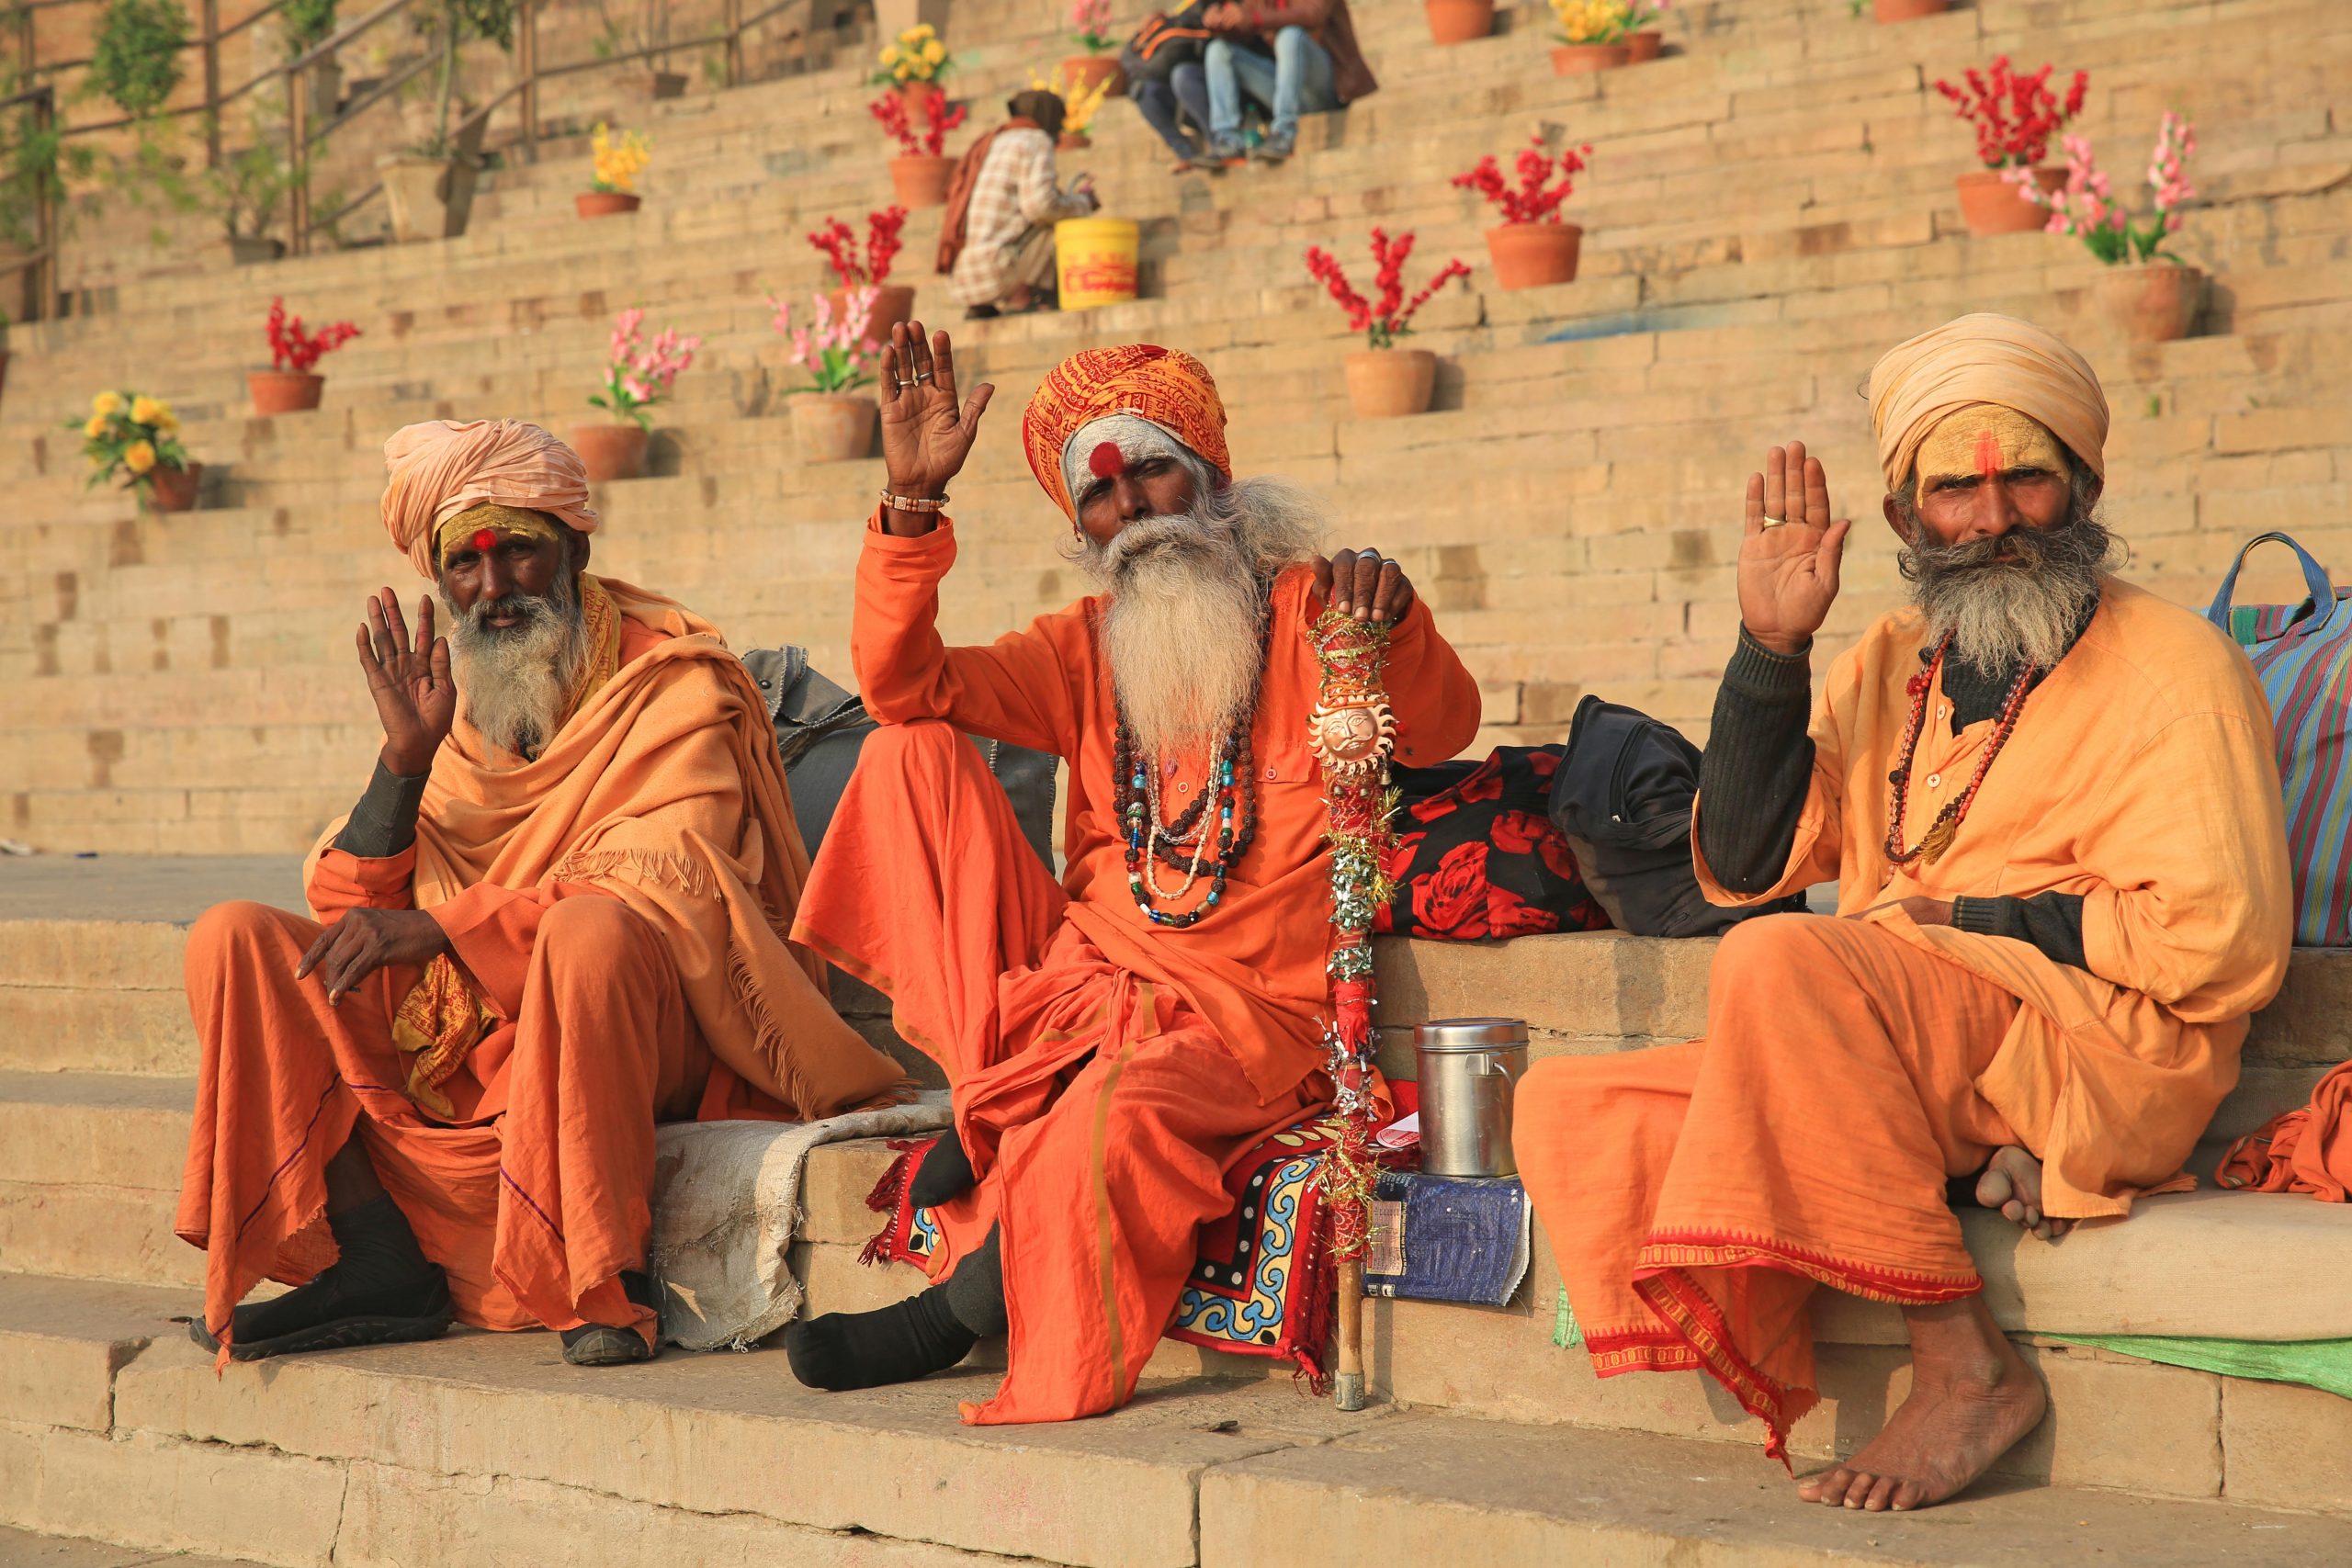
(1163, 43)
(820, 727)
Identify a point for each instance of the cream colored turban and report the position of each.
(442, 468)
(1983, 358)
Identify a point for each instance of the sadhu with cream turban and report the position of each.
(2048, 800)
(1117, 1039)
(556, 916)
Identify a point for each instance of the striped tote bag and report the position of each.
(2304, 655)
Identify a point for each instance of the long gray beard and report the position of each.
(1188, 595)
(517, 682)
(2018, 600)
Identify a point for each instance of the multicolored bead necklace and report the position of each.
(1946, 827)
(1153, 842)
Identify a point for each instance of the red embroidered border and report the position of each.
(1720, 1249)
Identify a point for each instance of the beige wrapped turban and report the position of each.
(1978, 360)
(443, 467)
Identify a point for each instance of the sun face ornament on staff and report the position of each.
(1353, 733)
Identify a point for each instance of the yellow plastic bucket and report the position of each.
(1095, 261)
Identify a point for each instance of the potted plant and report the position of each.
(840, 352)
(837, 242)
(136, 436)
(921, 170)
(307, 24)
(2148, 296)
(2015, 118)
(245, 191)
(1100, 63)
(1591, 36)
(612, 187)
(1904, 10)
(1384, 380)
(1080, 104)
(135, 56)
(291, 384)
(1531, 247)
(1642, 40)
(640, 373)
(914, 63)
(1459, 21)
(430, 187)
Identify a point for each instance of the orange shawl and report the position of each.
(663, 790)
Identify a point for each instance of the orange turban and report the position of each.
(1983, 358)
(1171, 390)
(442, 468)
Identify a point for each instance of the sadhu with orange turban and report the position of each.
(1117, 1038)
(2048, 800)
(556, 916)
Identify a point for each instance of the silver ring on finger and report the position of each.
(922, 375)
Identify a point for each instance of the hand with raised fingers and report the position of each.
(1789, 550)
(1365, 584)
(927, 433)
(416, 700)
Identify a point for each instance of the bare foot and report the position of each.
(2012, 1183)
(1971, 1399)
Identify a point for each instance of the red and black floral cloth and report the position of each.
(1477, 857)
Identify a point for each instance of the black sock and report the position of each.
(381, 1273)
(945, 1172)
(911, 1339)
(976, 1291)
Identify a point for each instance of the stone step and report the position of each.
(477, 1447)
(25, 1549)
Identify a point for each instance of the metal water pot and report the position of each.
(1468, 1068)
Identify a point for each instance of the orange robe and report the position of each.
(1104, 1070)
(617, 908)
(1696, 1194)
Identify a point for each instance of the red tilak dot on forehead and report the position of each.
(484, 539)
(1106, 461)
(1988, 452)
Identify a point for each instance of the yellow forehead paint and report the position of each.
(1984, 439)
(490, 518)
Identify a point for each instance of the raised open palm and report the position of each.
(926, 433)
(415, 698)
(1790, 550)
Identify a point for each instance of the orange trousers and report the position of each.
(533, 1211)
(1099, 1108)
(1697, 1194)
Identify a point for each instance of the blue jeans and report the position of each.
(1297, 81)
(1187, 87)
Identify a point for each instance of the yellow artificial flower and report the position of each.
(168, 423)
(107, 403)
(918, 33)
(935, 51)
(147, 411)
(618, 164)
(1592, 21)
(95, 427)
(889, 55)
(902, 71)
(139, 457)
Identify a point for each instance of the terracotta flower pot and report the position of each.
(833, 427)
(1530, 255)
(610, 451)
(1990, 204)
(174, 490)
(1577, 58)
(893, 303)
(1073, 142)
(915, 93)
(1385, 383)
(1908, 10)
(1081, 71)
(1646, 44)
(605, 203)
(2155, 303)
(284, 391)
(1459, 21)
(921, 180)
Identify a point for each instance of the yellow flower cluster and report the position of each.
(139, 457)
(1593, 21)
(918, 55)
(619, 163)
(1082, 104)
(153, 413)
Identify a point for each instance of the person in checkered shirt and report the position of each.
(1006, 265)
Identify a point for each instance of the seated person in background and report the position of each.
(2056, 912)
(1115, 1041)
(997, 242)
(1293, 56)
(1165, 76)
(555, 917)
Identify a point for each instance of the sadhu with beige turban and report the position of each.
(2049, 803)
(556, 916)
(1117, 1038)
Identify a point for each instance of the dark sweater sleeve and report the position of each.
(2051, 922)
(384, 822)
(1756, 768)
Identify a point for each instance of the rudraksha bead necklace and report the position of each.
(1946, 827)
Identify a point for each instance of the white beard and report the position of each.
(517, 684)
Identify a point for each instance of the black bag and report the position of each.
(1622, 797)
(1163, 43)
(820, 727)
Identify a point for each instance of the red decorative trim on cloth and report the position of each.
(1725, 1249)
(1691, 1312)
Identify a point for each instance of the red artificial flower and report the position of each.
(1452, 901)
(837, 244)
(891, 108)
(1390, 319)
(1535, 199)
(2015, 116)
(291, 348)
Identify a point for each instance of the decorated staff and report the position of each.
(1352, 732)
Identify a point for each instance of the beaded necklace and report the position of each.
(1153, 842)
(1946, 827)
